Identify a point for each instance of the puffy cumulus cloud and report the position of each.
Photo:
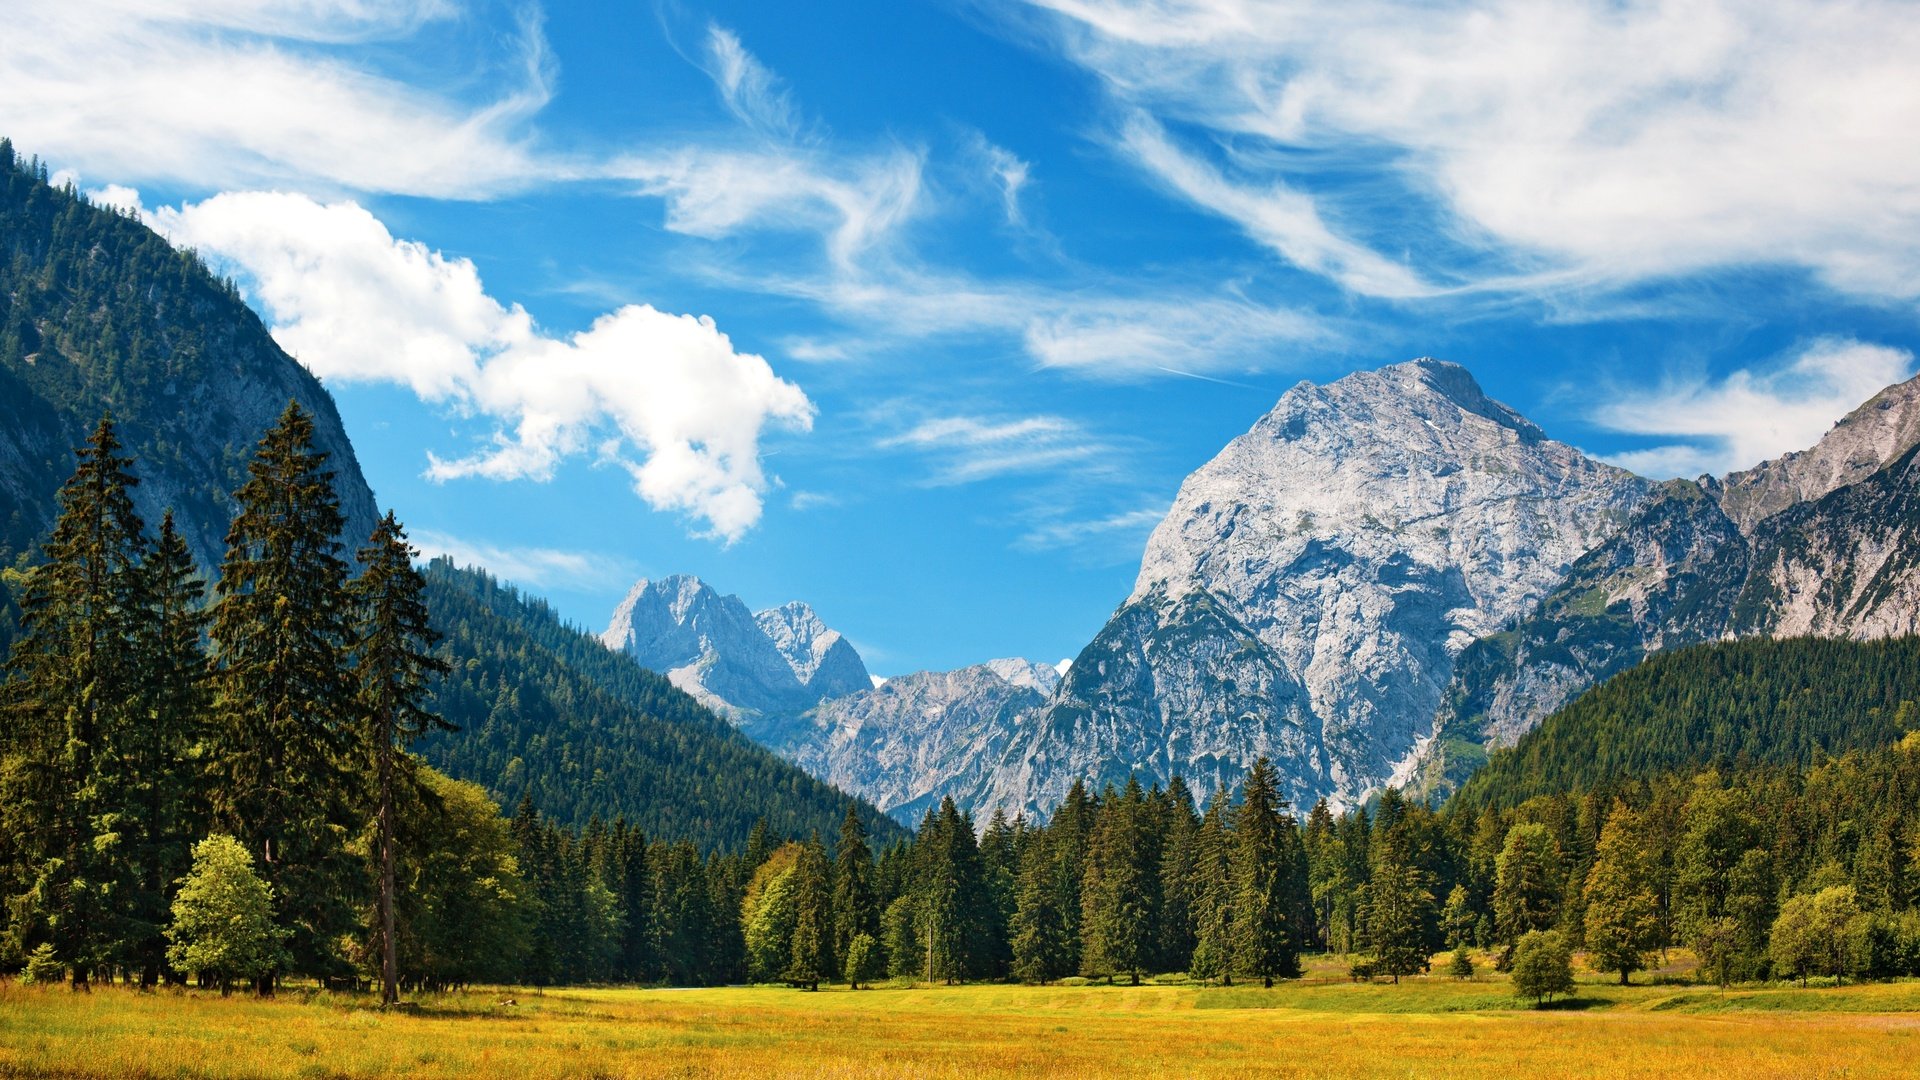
(1611, 140)
(250, 93)
(666, 397)
(1752, 415)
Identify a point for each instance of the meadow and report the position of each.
(1425, 1027)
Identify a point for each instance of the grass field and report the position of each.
(1424, 1027)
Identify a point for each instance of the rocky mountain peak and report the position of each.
(777, 663)
(1860, 444)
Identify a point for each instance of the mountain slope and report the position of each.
(546, 711)
(918, 737)
(1308, 592)
(1762, 701)
(1816, 542)
(99, 313)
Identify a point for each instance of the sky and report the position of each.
(920, 310)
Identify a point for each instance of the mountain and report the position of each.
(99, 314)
(1307, 595)
(1820, 541)
(776, 664)
(1759, 701)
(918, 737)
(546, 711)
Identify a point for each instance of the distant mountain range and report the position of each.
(1383, 579)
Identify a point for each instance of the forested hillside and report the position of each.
(1759, 702)
(546, 711)
(98, 313)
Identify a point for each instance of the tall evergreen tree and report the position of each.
(1213, 894)
(163, 796)
(1526, 894)
(1399, 901)
(1178, 855)
(392, 649)
(72, 677)
(811, 959)
(1039, 928)
(856, 907)
(286, 697)
(1266, 943)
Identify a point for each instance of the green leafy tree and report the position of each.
(288, 704)
(1623, 914)
(1458, 919)
(865, 962)
(464, 908)
(1266, 942)
(769, 911)
(392, 649)
(1542, 966)
(1822, 933)
(223, 927)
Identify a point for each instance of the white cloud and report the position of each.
(534, 567)
(750, 89)
(232, 94)
(1124, 528)
(665, 396)
(1751, 416)
(1613, 141)
(967, 449)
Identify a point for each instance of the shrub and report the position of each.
(1461, 966)
(43, 967)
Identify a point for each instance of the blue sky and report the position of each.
(921, 311)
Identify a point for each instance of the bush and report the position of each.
(223, 918)
(1542, 966)
(1461, 966)
(1362, 969)
(43, 967)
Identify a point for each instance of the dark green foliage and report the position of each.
(1769, 702)
(810, 959)
(546, 711)
(71, 706)
(1269, 882)
(856, 905)
(287, 772)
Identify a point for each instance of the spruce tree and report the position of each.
(163, 796)
(1040, 953)
(856, 909)
(69, 700)
(1122, 880)
(286, 698)
(810, 959)
(1177, 857)
(1266, 894)
(1399, 901)
(1213, 894)
(393, 659)
(1526, 894)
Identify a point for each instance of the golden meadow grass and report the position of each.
(1425, 1027)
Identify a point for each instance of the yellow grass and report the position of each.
(1424, 1028)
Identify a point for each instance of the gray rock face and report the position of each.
(752, 668)
(825, 663)
(1820, 541)
(1306, 596)
(916, 738)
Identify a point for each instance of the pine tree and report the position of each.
(1526, 894)
(1266, 894)
(69, 701)
(285, 696)
(856, 910)
(1117, 917)
(1040, 953)
(161, 789)
(1398, 904)
(811, 958)
(1177, 858)
(392, 644)
(1622, 917)
(1213, 892)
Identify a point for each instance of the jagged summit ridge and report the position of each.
(1307, 592)
(779, 662)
